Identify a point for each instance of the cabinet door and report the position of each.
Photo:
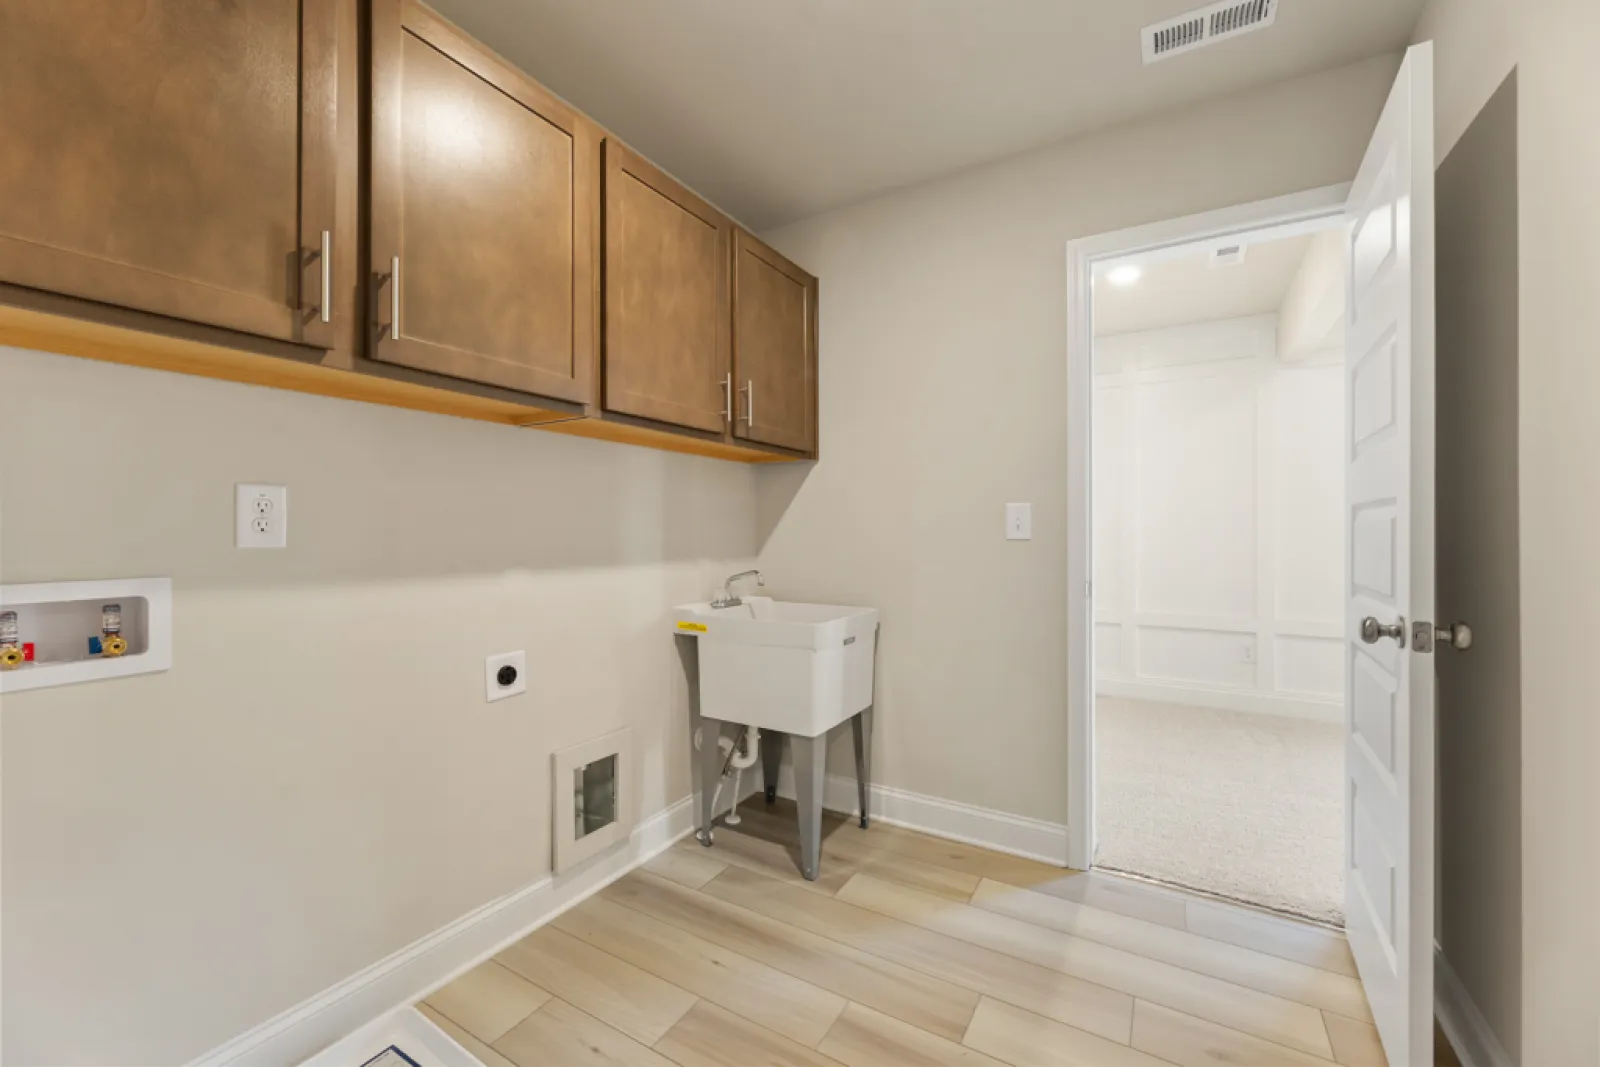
(774, 347)
(485, 192)
(666, 298)
(173, 156)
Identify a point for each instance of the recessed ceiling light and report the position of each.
(1124, 275)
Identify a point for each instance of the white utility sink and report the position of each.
(799, 669)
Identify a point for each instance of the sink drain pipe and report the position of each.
(741, 755)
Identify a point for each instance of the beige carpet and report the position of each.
(1243, 806)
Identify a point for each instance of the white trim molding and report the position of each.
(1282, 216)
(408, 1030)
(1273, 632)
(1469, 1032)
(406, 976)
(998, 831)
(1255, 703)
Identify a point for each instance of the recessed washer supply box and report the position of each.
(58, 618)
(776, 665)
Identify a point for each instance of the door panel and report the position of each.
(1372, 707)
(484, 187)
(1389, 367)
(173, 156)
(774, 347)
(488, 267)
(666, 297)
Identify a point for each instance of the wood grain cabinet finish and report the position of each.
(484, 196)
(666, 298)
(774, 347)
(173, 156)
(196, 166)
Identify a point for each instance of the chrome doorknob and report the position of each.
(1372, 629)
(1456, 635)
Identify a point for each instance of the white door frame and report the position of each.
(1282, 216)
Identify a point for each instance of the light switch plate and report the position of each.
(1019, 522)
(493, 688)
(260, 516)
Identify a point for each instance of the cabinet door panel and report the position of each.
(485, 188)
(666, 297)
(172, 156)
(774, 347)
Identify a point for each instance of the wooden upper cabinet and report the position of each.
(666, 298)
(485, 197)
(774, 347)
(174, 157)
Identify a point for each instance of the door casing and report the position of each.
(1275, 218)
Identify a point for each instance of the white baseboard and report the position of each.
(418, 969)
(408, 1030)
(1018, 835)
(1465, 1026)
(1289, 706)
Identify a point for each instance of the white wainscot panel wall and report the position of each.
(1218, 486)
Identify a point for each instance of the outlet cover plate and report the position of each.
(492, 689)
(261, 516)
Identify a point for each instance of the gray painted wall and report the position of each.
(317, 782)
(943, 382)
(1550, 45)
(1480, 690)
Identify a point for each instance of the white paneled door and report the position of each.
(1389, 755)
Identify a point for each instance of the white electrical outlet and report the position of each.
(1247, 652)
(505, 675)
(261, 516)
(1019, 522)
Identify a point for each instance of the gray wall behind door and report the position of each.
(1480, 690)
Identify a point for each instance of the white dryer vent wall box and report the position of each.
(594, 805)
(1206, 25)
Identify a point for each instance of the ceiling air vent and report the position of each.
(1207, 25)
(1227, 256)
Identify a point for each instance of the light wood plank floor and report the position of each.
(910, 950)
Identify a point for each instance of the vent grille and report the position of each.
(1227, 256)
(1183, 35)
(1239, 17)
(1206, 25)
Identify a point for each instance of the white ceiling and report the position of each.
(1180, 291)
(778, 109)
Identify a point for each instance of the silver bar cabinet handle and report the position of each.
(394, 299)
(727, 396)
(327, 276)
(749, 392)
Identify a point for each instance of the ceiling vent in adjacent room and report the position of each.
(1226, 256)
(1206, 25)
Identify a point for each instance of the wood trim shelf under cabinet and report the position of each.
(209, 357)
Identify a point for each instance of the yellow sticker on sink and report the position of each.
(697, 627)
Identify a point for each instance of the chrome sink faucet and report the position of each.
(727, 599)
